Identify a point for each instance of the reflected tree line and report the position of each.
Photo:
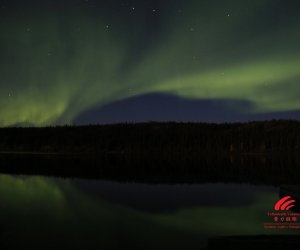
(265, 170)
(168, 139)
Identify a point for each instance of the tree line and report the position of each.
(170, 138)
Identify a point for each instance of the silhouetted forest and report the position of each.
(168, 139)
(255, 169)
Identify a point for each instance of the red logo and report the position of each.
(284, 204)
(282, 218)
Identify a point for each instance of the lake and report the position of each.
(39, 212)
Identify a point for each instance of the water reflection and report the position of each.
(261, 170)
(168, 198)
(53, 213)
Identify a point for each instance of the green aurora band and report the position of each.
(59, 60)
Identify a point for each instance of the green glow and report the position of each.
(222, 221)
(53, 66)
(42, 207)
(32, 194)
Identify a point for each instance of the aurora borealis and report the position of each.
(61, 58)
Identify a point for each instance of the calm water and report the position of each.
(54, 213)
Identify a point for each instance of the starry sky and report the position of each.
(75, 61)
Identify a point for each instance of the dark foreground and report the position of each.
(270, 242)
(148, 186)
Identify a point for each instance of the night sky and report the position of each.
(88, 61)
